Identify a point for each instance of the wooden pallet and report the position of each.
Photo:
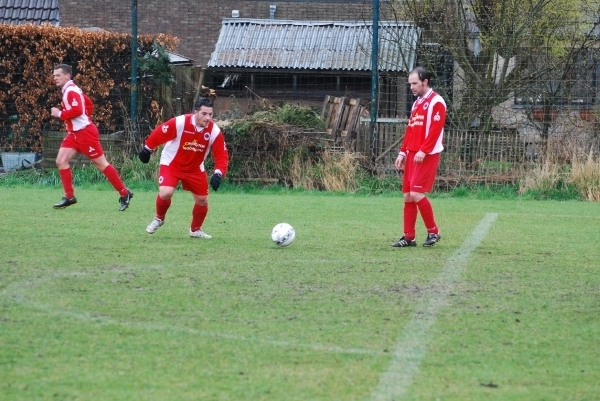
(342, 117)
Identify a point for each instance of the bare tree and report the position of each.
(503, 47)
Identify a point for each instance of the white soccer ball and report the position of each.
(283, 234)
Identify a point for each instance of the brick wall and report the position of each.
(197, 26)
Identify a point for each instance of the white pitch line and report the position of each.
(15, 293)
(411, 349)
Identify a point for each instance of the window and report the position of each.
(579, 88)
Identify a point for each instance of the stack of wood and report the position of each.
(342, 117)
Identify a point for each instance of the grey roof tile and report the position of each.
(29, 11)
(319, 45)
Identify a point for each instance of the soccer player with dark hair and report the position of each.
(188, 139)
(82, 137)
(419, 157)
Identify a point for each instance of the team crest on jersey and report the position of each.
(437, 117)
(165, 128)
(74, 103)
(426, 106)
(207, 136)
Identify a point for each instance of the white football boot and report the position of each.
(199, 234)
(154, 224)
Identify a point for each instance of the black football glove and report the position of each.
(145, 154)
(215, 181)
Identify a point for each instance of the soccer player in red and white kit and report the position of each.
(419, 156)
(82, 137)
(188, 139)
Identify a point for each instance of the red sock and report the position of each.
(198, 215)
(113, 177)
(426, 211)
(66, 177)
(162, 205)
(410, 220)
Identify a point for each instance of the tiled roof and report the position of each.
(323, 45)
(19, 12)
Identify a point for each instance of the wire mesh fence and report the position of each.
(521, 80)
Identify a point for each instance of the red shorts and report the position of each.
(85, 141)
(420, 177)
(194, 181)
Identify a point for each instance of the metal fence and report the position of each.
(469, 157)
(514, 96)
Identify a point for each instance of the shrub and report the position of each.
(581, 179)
(264, 145)
(586, 177)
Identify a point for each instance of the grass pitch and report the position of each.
(505, 307)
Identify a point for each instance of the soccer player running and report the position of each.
(419, 156)
(82, 137)
(188, 139)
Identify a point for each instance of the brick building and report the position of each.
(197, 23)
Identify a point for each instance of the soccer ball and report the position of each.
(283, 234)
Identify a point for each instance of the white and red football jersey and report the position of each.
(186, 146)
(425, 129)
(77, 107)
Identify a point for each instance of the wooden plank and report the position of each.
(391, 148)
(350, 140)
(353, 113)
(354, 117)
(337, 117)
(343, 124)
(360, 135)
(326, 105)
(333, 111)
(354, 126)
(334, 105)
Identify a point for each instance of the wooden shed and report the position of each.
(305, 61)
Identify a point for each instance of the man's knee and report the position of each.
(100, 162)
(62, 162)
(165, 195)
(201, 200)
(416, 196)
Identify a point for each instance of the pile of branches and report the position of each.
(264, 149)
